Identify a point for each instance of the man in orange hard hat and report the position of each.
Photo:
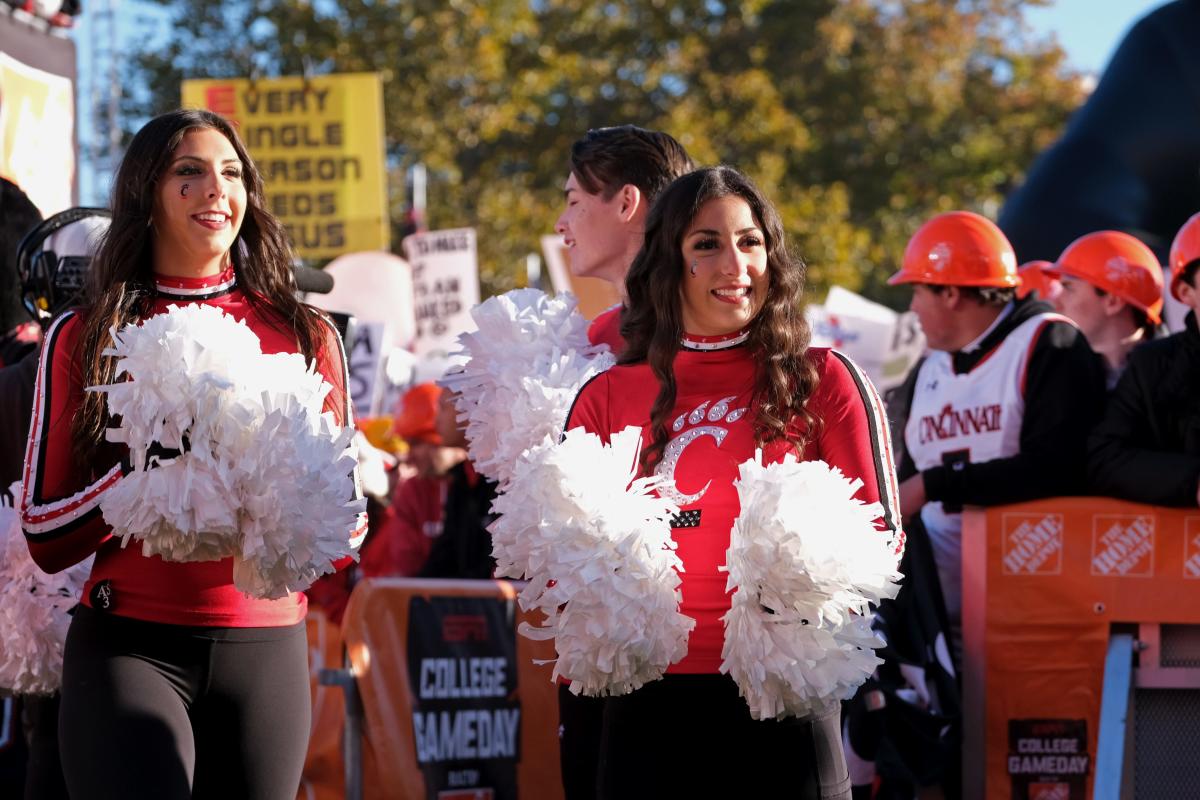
(1112, 288)
(992, 356)
(1147, 448)
(998, 411)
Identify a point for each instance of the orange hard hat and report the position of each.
(1119, 264)
(1184, 250)
(416, 414)
(1035, 278)
(958, 248)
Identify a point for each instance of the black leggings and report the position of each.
(167, 711)
(580, 725)
(692, 736)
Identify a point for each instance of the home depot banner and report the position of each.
(319, 145)
(456, 705)
(1043, 583)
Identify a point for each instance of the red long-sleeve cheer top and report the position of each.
(606, 329)
(712, 433)
(60, 503)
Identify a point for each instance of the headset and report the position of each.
(53, 281)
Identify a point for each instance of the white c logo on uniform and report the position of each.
(674, 450)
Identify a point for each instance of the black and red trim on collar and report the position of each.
(205, 288)
(691, 341)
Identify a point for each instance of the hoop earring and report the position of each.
(694, 263)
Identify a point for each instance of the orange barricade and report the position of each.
(454, 706)
(1043, 583)
(324, 771)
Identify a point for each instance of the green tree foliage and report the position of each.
(860, 118)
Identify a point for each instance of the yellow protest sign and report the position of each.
(319, 145)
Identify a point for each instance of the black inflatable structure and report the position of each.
(1130, 157)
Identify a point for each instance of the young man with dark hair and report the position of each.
(1112, 288)
(1147, 448)
(616, 174)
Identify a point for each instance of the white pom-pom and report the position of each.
(179, 363)
(180, 509)
(807, 562)
(183, 367)
(264, 475)
(526, 362)
(297, 511)
(595, 545)
(33, 611)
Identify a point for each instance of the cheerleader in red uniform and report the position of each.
(175, 684)
(717, 363)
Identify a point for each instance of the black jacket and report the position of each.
(1064, 398)
(464, 549)
(16, 408)
(1147, 448)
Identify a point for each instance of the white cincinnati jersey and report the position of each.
(968, 418)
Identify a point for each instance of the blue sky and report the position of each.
(1089, 30)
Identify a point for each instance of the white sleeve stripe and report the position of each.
(42, 517)
(881, 444)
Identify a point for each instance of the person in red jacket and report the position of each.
(616, 173)
(175, 684)
(402, 545)
(716, 365)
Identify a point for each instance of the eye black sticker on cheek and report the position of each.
(184, 189)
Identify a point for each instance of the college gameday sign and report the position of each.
(319, 145)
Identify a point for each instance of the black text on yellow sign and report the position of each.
(318, 143)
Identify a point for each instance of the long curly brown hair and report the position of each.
(652, 323)
(121, 279)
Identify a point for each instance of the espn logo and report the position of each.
(1032, 544)
(1123, 545)
(464, 628)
